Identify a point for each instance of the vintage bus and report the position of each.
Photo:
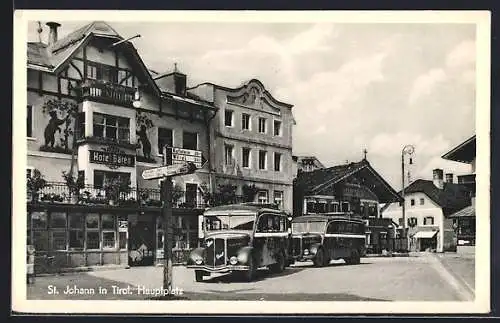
(242, 237)
(322, 238)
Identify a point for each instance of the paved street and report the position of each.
(414, 278)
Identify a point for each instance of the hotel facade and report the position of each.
(97, 117)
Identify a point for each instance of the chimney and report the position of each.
(53, 32)
(437, 178)
(449, 177)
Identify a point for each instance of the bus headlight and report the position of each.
(306, 252)
(314, 250)
(233, 260)
(242, 258)
(198, 261)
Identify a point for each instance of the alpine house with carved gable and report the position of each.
(96, 118)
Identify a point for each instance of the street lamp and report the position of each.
(407, 150)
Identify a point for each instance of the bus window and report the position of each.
(262, 226)
(332, 227)
(282, 221)
(349, 227)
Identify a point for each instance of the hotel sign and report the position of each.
(111, 158)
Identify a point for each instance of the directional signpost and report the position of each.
(176, 162)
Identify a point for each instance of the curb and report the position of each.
(76, 270)
(465, 292)
(387, 255)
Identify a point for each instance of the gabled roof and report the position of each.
(464, 152)
(451, 198)
(52, 58)
(317, 180)
(469, 211)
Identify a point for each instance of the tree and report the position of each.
(249, 192)
(35, 183)
(225, 194)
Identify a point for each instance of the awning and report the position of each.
(425, 234)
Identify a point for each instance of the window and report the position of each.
(429, 220)
(422, 201)
(335, 207)
(278, 198)
(92, 231)
(101, 177)
(106, 73)
(262, 197)
(76, 237)
(111, 127)
(262, 159)
(310, 207)
(412, 202)
(29, 121)
(165, 138)
(277, 162)
(345, 206)
(228, 118)
(190, 140)
(412, 221)
(39, 225)
(228, 154)
(108, 231)
(245, 157)
(245, 121)
(372, 211)
(277, 128)
(262, 125)
(80, 128)
(126, 78)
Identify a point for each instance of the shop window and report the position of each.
(165, 138)
(57, 220)
(245, 121)
(41, 240)
(92, 240)
(108, 222)
(245, 156)
(39, 220)
(123, 240)
(76, 230)
(92, 231)
(58, 240)
(262, 125)
(108, 239)
(228, 118)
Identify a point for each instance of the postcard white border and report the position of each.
(481, 304)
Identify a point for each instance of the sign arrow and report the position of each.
(170, 170)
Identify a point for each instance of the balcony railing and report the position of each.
(57, 192)
(106, 92)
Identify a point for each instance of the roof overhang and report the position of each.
(464, 153)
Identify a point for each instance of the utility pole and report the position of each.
(166, 190)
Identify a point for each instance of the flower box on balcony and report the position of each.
(107, 141)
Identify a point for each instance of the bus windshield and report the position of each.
(309, 227)
(229, 222)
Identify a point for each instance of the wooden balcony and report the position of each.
(109, 93)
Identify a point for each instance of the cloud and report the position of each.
(425, 83)
(425, 171)
(391, 144)
(462, 55)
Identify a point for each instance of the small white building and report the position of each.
(429, 205)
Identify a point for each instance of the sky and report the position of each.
(353, 86)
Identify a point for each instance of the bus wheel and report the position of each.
(279, 266)
(356, 258)
(319, 260)
(198, 275)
